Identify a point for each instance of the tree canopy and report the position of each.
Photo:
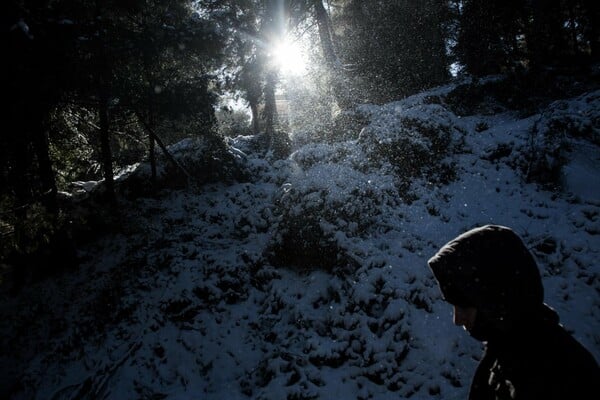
(94, 86)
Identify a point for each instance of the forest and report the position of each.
(103, 99)
(96, 86)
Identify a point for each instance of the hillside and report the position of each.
(308, 279)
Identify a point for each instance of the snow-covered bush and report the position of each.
(195, 161)
(323, 205)
(249, 145)
(413, 141)
(553, 135)
(477, 97)
(344, 126)
(348, 124)
(339, 191)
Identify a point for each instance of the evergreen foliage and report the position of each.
(88, 83)
(95, 86)
(393, 48)
(499, 36)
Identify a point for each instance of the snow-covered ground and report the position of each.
(194, 300)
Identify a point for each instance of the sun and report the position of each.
(289, 57)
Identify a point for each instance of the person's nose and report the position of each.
(459, 316)
(464, 316)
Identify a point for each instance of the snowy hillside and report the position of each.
(309, 280)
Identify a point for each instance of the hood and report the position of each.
(488, 268)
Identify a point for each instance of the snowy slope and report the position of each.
(192, 302)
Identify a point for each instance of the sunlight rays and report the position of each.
(289, 57)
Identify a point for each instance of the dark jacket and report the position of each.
(529, 355)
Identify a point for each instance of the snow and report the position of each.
(186, 304)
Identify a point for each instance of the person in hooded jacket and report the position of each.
(493, 282)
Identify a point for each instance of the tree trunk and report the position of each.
(255, 117)
(592, 33)
(325, 34)
(277, 140)
(546, 41)
(336, 73)
(151, 113)
(163, 147)
(107, 158)
(47, 178)
(270, 111)
(103, 80)
(21, 185)
(151, 136)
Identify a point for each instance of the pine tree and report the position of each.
(488, 37)
(394, 48)
(96, 62)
